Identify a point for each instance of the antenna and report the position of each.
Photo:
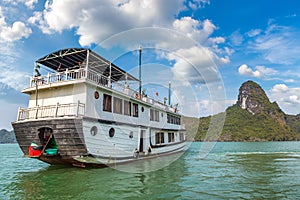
(169, 93)
(140, 71)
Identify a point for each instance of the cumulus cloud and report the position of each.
(12, 33)
(287, 97)
(16, 32)
(96, 21)
(259, 72)
(280, 88)
(245, 70)
(195, 65)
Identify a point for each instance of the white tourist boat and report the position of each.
(84, 112)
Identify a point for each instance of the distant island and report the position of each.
(7, 136)
(252, 118)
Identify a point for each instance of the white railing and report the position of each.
(67, 75)
(98, 79)
(52, 111)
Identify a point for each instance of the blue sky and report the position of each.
(206, 48)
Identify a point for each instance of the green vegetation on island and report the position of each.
(252, 118)
(7, 136)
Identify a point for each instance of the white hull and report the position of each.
(129, 143)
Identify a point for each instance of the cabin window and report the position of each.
(171, 119)
(135, 112)
(106, 103)
(111, 132)
(142, 109)
(94, 131)
(117, 105)
(154, 115)
(181, 136)
(96, 94)
(127, 108)
(159, 138)
(171, 137)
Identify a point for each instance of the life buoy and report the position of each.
(137, 96)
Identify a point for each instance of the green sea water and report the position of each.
(233, 170)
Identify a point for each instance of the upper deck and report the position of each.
(74, 66)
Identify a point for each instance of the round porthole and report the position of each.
(96, 94)
(131, 134)
(142, 109)
(94, 131)
(111, 132)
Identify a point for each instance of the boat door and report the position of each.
(142, 140)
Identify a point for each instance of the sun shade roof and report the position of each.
(74, 58)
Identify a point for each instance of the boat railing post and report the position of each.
(67, 72)
(48, 78)
(56, 109)
(36, 111)
(19, 113)
(77, 112)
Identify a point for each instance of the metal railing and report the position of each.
(98, 79)
(52, 111)
(67, 75)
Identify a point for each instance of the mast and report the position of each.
(169, 93)
(140, 71)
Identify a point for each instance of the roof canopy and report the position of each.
(74, 58)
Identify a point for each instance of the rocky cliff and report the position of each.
(253, 98)
(252, 118)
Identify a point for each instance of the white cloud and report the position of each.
(288, 98)
(280, 88)
(96, 21)
(245, 70)
(289, 81)
(30, 3)
(260, 72)
(236, 38)
(196, 4)
(17, 31)
(278, 44)
(10, 75)
(195, 65)
(254, 32)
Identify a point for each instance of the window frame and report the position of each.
(117, 105)
(159, 138)
(107, 103)
(135, 110)
(171, 137)
(127, 107)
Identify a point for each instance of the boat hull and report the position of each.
(78, 145)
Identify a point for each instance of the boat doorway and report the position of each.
(45, 134)
(47, 141)
(142, 140)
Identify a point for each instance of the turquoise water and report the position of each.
(262, 170)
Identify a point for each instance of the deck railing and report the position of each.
(67, 75)
(52, 111)
(99, 79)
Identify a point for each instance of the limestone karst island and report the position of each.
(252, 118)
